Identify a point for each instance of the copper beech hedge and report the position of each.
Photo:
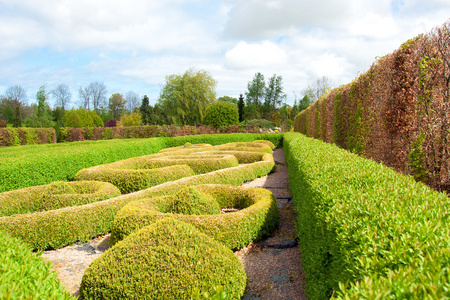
(396, 113)
(26, 136)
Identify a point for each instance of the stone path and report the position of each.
(273, 265)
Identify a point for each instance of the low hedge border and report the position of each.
(34, 165)
(166, 260)
(200, 164)
(366, 231)
(56, 195)
(25, 275)
(57, 228)
(257, 218)
(132, 180)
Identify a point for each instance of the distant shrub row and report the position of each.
(56, 228)
(26, 136)
(366, 231)
(68, 134)
(38, 165)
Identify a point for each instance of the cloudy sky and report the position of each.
(134, 44)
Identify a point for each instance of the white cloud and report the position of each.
(329, 65)
(250, 55)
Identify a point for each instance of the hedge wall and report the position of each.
(366, 231)
(26, 136)
(396, 113)
(34, 165)
(25, 275)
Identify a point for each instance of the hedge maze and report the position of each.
(171, 238)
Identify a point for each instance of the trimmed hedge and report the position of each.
(25, 275)
(35, 165)
(26, 136)
(199, 163)
(366, 231)
(129, 180)
(55, 195)
(166, 260)
(57, 228)
(257, 218)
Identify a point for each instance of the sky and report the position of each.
(133, 45)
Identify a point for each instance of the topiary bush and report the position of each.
(257, 217)
(25, 275)
(166, 260)
(221, 113)
(190, 201)
(56, 195)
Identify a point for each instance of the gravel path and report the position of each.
(273, 265)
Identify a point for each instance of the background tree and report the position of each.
(273, 96)
(42, 117)
(117, 105)
(145, 110)
(62, 95)
(304, 103)
(185, 97)
(16, 98)
(228, 99)
(85, 97)
(221, 113)
(132, 99)
(98, 94)
(132, 119)
(319, 87)
(241, 106)
(254, 97)
(81, 117)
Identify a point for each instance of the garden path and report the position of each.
(273, 265)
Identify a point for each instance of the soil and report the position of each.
(273, 265)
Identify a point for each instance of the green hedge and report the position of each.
(366, 231)
(56, 195)
(34, 165)
(26, 136)
(57, 228)
(25, 275)
(258, 215)
(166, 260)
(200, 163)
(130, 180)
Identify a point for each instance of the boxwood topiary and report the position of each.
(190, 201)
(55, 195)
(166, 260)
(257, 217)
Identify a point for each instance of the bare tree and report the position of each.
(98, 94)
(318, 88)
(133, 101)
(17, 95)
(62, 95)
(85, 97)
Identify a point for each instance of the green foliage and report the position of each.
(365, 231)
(117, 105)
(257, 217)
(25, 275)
(167, 260)
(221, 114)
(261, 123)
(17, 121)
(42, 164)
(416, 157)
(185, 97)
(133, 119)
(77, 118)
(190, 201)
(55, 195)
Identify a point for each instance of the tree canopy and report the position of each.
(184, 98)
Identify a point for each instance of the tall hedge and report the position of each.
(366, 231)
(396, 113)
(26, 136)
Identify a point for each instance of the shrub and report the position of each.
(54, 196)
(133, 119)
(25, 275)
(221, 113)
(111, 123)
(57, 228)
(3, 124)
(129, 180)
(167, 260)
(190, 201)
(366, 231)
(258, 215)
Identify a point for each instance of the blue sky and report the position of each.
(133, 45)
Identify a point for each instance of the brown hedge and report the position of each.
(26, 136)
(396, 113)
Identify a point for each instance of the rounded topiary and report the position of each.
(221, 113)
(169, 259)
(190, 201)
